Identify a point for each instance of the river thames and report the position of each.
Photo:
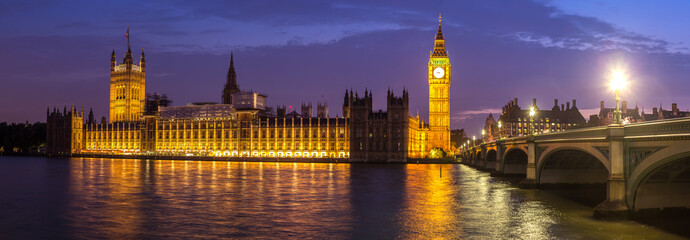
(48, 198)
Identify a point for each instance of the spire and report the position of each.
(113, 60)
(232, 76)
(142, 61)
(439, 34)
(439, 42)
(230, 83)
(128, 56)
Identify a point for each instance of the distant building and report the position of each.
(515, 121)
(605, 116)
(658, 114)
(155, 100)
(458, 137)
(231, 86)
(306, 110)
(322, 110)
(490, 129)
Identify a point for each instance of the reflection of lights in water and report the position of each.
(418, 204)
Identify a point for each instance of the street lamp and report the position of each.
(618, 81)
(483, 137)
(532, 112)
(499, 130)
(474, 140)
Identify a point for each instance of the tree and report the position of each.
(437, 153)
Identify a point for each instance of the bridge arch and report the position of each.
(662, 179)
(491, 159)
(572, 164)
(515, 161)
(491, 155)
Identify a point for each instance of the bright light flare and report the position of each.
(532, 112)
(618, 80)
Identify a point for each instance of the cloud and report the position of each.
(460, 116)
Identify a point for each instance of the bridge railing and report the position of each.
(659, 128)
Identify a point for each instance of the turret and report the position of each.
(91, 120)
(128, 58)
(113, 61)
(142, 61)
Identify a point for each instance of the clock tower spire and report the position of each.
(439, 93)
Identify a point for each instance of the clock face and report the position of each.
(438, 72)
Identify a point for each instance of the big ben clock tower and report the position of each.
(439, 94)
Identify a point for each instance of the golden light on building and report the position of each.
(439, 94)
(127, 88)
(242, 127)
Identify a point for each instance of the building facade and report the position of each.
(127, 88)
(605, 116)
(660, 113)
(516, 122)
(439, 94)
(243, 126)
(64, 131)
(390, 136)
(490, 129)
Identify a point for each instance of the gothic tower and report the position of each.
(230, 84)
(439, 94)
(127, 87)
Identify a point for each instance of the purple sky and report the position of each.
(56, 53)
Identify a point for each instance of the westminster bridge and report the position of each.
(644, 165)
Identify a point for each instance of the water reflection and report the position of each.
(133, 199)
(142, 198)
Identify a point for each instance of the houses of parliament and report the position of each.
(243, 126)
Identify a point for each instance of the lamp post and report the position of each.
(499, 130)
(532, 112)
(474, 140)
(483, 136)
(618, 80)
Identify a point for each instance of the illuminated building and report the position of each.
(127, 88)
(516, 121)
(439, 94)
(243, 126)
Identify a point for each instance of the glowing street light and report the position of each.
(618, 82)
(474, 140)
(532, 112)
(483, 133)
(499, 130)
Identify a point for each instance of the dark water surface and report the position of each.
(48, 198)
